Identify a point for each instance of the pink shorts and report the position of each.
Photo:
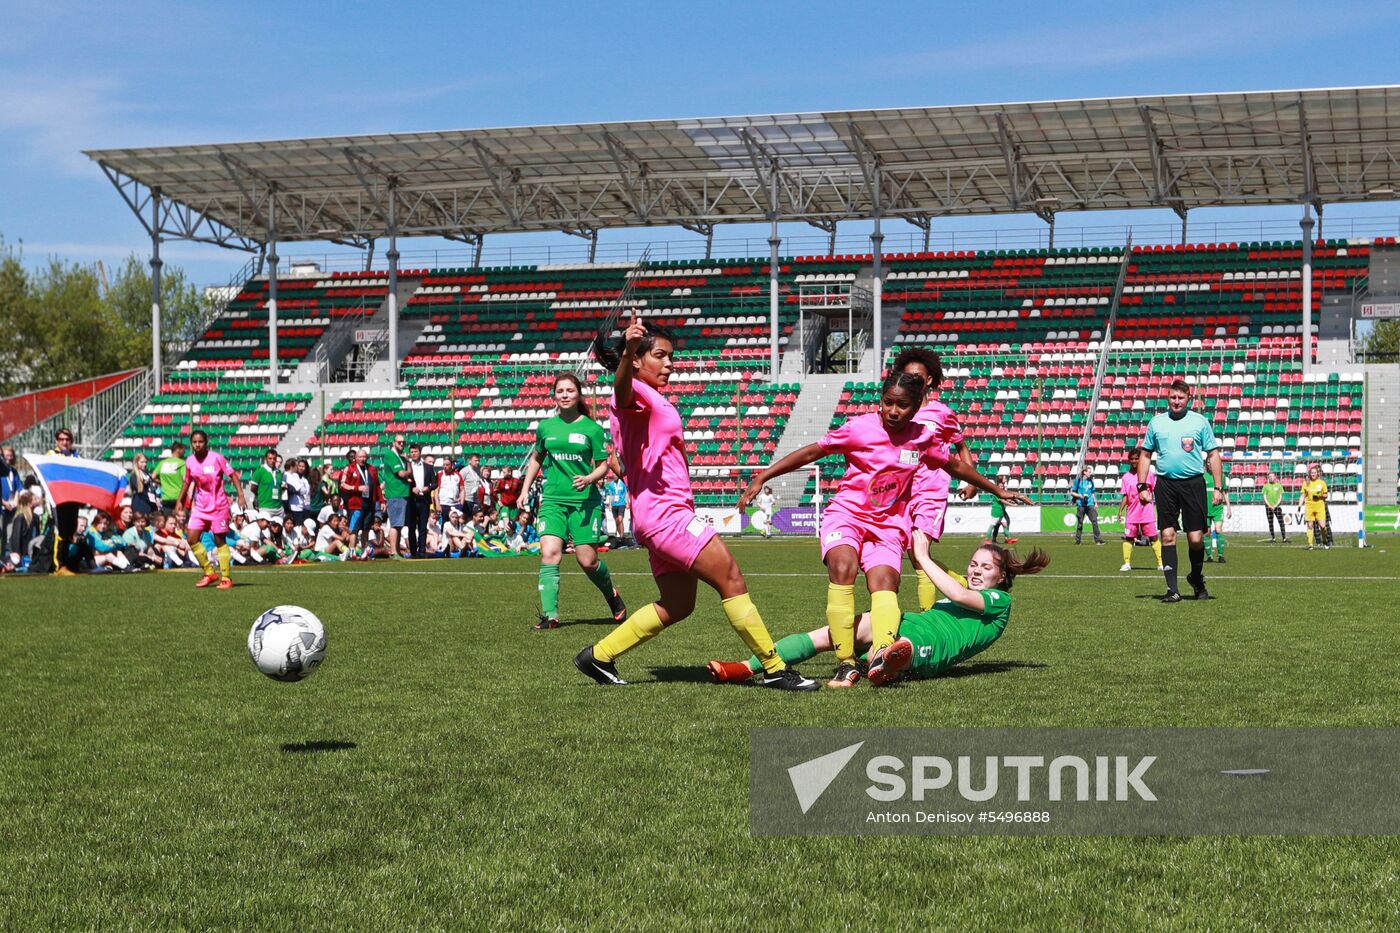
(674, 543)
(1140, 529)
(876, 545)
(928, 516)
(202, 520)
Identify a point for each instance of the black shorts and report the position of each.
(1181, 503)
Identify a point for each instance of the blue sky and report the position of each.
(96, 75)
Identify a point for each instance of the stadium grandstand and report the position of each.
(1054, 356)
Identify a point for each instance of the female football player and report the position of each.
(205, 474)
(683, 550)
(572, 452)
(866, 524)
(972, 615)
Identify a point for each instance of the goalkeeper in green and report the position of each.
(967, 620)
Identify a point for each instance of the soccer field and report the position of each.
(447, 766)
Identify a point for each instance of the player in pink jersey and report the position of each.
(866, 523)
(205, 475)
(928, 502)
(647, 432)
(1139, 516)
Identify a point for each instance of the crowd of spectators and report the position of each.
(399, 505)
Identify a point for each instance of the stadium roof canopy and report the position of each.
(1180, 152)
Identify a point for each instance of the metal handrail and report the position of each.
(95, 421)
(174, 350)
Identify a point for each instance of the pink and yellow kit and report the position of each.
(211, 506)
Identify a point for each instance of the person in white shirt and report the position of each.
(449, 488)
(331, 542)
(764, 502)
(475, 491)
(298, 490)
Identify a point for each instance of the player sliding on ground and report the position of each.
(572, 452)
(971, 616)
(205, 474)
(866, 524)
(928, 497)
(646, 429)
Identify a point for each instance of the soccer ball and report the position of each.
(287, 643)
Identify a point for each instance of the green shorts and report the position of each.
(1217, 514)
(579, 522)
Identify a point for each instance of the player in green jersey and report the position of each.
(971, 616)
(571, 449)
(1219, 511)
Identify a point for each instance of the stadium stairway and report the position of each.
(810, 419)
(295, 442)
(1382, 434)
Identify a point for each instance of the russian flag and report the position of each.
(74, 479)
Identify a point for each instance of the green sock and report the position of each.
(599, 577)
(1219, 545)
(793, 649)
(549, 590)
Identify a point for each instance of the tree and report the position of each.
(1383, 342)
(181, 305)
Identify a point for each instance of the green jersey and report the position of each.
(568, 449)
(1273, 494)
(948, 633)
(269, 487)
(171, 473)
(395, 486)
(998, 509)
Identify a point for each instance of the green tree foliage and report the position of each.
(1382, 343)
(60, 324)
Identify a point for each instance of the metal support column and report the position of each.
(1306, 224)
(774, 241)
(156, 359)
(709, 241)
(272, 260)
(392, 254)
(1052, 231)
(877, 289)
(1183, 228)
(476, 259)
(592, 247)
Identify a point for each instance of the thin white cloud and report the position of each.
(49, 122)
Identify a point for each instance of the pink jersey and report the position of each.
(1138, 512)
(649, 439)
(932, 485)
(207, 477)
(881, 466)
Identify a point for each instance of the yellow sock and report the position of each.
(1128, 553)
(743, 615)
(202, 556)
(928, 593)
(1310, 535)
(884, 619)
(1157, 549)
(841, 619)
(638, 627)
(225, 561)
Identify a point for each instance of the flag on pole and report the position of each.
(74, 479)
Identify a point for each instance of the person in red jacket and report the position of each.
(359, 486)
(508, 493)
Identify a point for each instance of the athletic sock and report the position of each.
(637, 628)
(992, 531)
(549, 590)
(1210, 544)
(841, 619)
(743, 615)
(1219, 546)
(1310, 535)
(884, 619)
(793, 649)
(1169, 562)
(928, 593)
(600, 578)
(1198, 559)
(201, 555)
(225, 561)
(1127, 552)
(1157, 549)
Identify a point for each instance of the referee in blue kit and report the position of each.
(1184, 444)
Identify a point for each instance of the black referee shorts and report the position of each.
(1181, 503)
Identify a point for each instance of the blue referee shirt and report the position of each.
(1181, 444)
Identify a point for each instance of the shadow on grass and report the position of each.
(988, 667)
(606, 620)
(678, 674)
(318, 745)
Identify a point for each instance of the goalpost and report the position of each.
(1292, 464)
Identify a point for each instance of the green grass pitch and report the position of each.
(447, 767)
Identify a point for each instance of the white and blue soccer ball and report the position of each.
(287, 643)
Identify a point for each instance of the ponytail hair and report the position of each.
(582, 404)
(905, 382)
(609, 343)
(1013, 567)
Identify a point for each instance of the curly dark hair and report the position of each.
(926, 358)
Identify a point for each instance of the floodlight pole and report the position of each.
(272, 260)
(156, 359)
(774, 241)
(877, 300)
(1306, 224)
(393, 256)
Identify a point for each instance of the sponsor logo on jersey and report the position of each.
(885, 487)
(835, 535)
(580, 439)
(909, 457)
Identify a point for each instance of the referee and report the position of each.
(1185, 444)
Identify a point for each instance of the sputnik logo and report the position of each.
(810, 779)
